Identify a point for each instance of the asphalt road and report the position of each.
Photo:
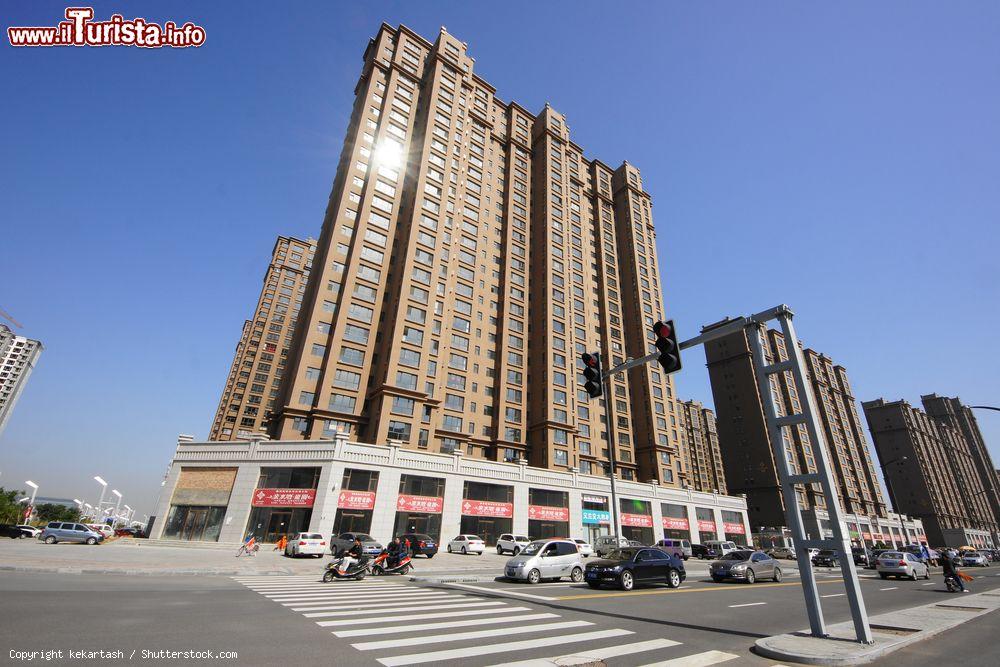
(390, 621)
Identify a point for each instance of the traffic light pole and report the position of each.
(615, 524)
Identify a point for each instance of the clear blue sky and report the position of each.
(843, 159)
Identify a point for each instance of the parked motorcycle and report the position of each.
(380, 565)
(358, 570)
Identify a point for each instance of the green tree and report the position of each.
(52, 512)
(10, 510)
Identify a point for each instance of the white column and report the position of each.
(327, 493)
(576, 528)
(693, 523)
(520, 522)
(720, 525)
(234, 526)
(386, 494)
(656, 510)
(451, 515)
(162, 508)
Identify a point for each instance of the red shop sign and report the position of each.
(676, 524)
(640, 520)
(284, 497)
(546, 513)
(356, 500)
(867, 536)
(487, 508)
(734, 528)
(706, 526)
(428, 504)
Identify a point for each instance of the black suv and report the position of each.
(825, 558)
(862, 556)
(701, 551)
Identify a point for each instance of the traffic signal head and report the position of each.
(666, 343)
(592, 372)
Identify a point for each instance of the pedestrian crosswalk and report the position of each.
(399, 624)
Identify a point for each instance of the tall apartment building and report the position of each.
(469, 254)
(941, 480)
(746, 448)
(261, 354)
(700, 439)
(18, 356)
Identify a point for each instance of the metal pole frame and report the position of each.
(615, 523)
(824, 477)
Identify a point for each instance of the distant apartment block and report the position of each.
(261, 354)
(747, 454)
(18, 356)
(469, 254)
(945, 478)
(700, 440)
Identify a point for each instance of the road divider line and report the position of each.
(525, 645)
(930, 583)
(462, 636)
(891, 588)
(746, 604)
(696, 660)
(445, 625)
(590, 656)
(833, 595)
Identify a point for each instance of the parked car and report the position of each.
(30, 531)
(722, 547)
(306, 544)
(826, 558)
(467, 544)
(546, 559)
(345, 541)
(681, 548)
(974, 559)
(635, 543)
(862, 556)
(102, 528)
(58, 531)
(421, 544)
(629, 566)
(13, 532)
(510, 543)
(781, 552)
(703, 551)
(583, 546)
(608, 543)
(746, 565)
(901, 564)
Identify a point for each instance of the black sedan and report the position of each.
(420, 544)
(13, 532)
(629, 566)
(826, 558)
(701, 551)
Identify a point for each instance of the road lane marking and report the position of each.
(590, 656)
(461, 636)
(472, 651)
(660, 591)
(696, 660)
(444, 625)
(833, 595)
(891, 588)
(483, 589)
(366, 604)
(417, 617)
(931, 583)
(357, 596)
(342, 611)
(746, 604)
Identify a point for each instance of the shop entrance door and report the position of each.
(277, 526)
(194, 524)
(488, 531)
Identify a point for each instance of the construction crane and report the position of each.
(4, 314)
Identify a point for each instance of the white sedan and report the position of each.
(467, 544)
(306, 544)
(584, 548)
(30, 531)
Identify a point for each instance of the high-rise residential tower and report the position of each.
(469, 254)
(746, 448)
(700, 439)
(18, 356)
(254, 376)
(937, 468)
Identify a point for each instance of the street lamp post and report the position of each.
(100, 503)
(117, 506)
(31, 505)
(892, 496)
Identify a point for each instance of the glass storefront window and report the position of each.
(487, 510)
(548, 514)
(636, 520)
(356, 501)
(288, 478)
(707, 529)
(194, 523)
(675, 521)
(596, 517)
(268, 524)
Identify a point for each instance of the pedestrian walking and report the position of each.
(281, 544)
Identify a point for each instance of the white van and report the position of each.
(722, 547)
(674, 546)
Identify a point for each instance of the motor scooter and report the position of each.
(358, 570)
(380, 565)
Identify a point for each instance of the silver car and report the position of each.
(58, 531)
(546, 559)
(745, 565)
(901, 564)
(974, 559)
(345, 541)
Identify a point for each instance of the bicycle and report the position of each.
(248, 550)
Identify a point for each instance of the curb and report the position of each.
(35, 569)
(454, 579)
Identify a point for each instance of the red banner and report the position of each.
(867, 536)
(284, 497)
(736, 528)
(706, 526)
(428, 504)
(676, 524)
(487, 508)
(546, 513)
(356, 500)
(640, 520)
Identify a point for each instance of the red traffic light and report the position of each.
(662, 329)
(590, 360)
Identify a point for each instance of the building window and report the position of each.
(399, 431)
(402, 406)
(562, 457)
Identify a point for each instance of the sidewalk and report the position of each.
(891, 631)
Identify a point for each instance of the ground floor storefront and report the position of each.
(270, 489)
